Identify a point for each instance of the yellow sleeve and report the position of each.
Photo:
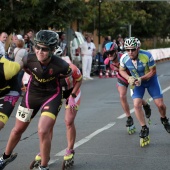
(10, 68)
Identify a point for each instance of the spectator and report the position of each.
(28, 44)
(19, 53)
(88, 50)
(63, 43)
(120, 43)
(30, 33)
(3, 38)
(11, 48)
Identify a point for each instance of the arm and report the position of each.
(123, 73)
(106, 61)
(77, 86)
(151, 73)
(64, 76)
(147, 76)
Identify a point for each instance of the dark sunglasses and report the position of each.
(128, 50)
(43, 49)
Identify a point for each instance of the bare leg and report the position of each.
(45, 127)
(161, 107)
(1, 125)
(138, 111)
(15, 135)
(123, 99)
(70, 127)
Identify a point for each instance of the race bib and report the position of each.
(24, 114)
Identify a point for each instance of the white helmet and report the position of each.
(132, 42)
(58, 51)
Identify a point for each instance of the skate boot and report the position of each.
(147, 112)
(36, 162)
(4, 162)
(166, 124)
(130, 126)
(68, 159)
(42, 168)
(144, 136)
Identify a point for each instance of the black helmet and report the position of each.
(47, 38)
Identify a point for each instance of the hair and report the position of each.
(20, 43)
(30, 30)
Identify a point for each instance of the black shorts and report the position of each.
(49, 103)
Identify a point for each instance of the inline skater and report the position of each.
(43, 92)
(113, 59)
(9, 88)
(142, 67)
(72, 95)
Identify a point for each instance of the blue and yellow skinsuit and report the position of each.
(9, 89)
(145, 62)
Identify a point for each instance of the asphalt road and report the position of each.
(102, 141)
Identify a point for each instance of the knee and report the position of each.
(122, 96)
(161, 106)
(137, 107)
(69, 123)
(17, 131)
(43, 132)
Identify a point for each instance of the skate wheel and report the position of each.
(149, 122)
(32, 164)
(35, 164)
(131, 130)
(144, 141)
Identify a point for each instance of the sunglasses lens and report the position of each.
(42, 48)
(134, 49)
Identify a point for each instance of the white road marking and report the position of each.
(89, 137)
(84, 140)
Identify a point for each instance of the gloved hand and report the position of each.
(72, 102)
(138, 81)
(131, 80)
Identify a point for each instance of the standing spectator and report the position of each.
(19, 53)
(120, 43)
(12, 46)
(3, 38)
(63, 43)
(28, 44)
(88, 50)
(30, 33)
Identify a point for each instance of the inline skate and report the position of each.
(4, 162)
(36, 162)
(147, 112)
(144, 136)
(166, 124)
(130, 126)
(68, 159)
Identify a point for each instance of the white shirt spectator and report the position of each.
(2, 48)
(3, 38)
(87, 52)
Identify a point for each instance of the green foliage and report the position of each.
(148, 19)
